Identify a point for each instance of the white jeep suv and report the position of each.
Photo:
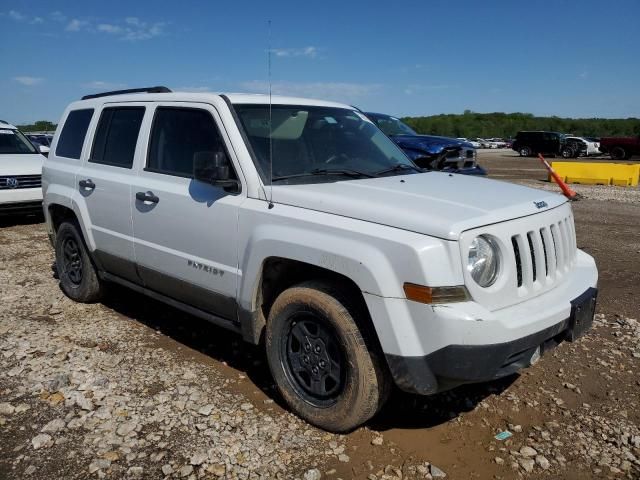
(301, 226)
(20, 172)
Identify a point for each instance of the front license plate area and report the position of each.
(582, 311)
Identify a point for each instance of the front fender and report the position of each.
(379, 259)
(348, 257)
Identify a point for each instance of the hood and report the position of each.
(21, 164)
(437, 204)
(429, 143)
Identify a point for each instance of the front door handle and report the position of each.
(147, 197)
(87, 184)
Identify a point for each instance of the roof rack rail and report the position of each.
(5, 122)
(130, 90)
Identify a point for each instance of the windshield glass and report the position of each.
(319, 144)
(13, 141)
(392, 125)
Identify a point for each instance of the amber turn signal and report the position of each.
(422, 294)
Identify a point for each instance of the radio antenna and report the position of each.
(270, 124)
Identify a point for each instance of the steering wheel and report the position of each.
(334, 158)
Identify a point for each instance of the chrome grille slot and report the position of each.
(12, 182)
(564, 234)
(533, 255)
(544, 250)
(557, 246)
(516, 252)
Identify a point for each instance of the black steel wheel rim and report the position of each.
(313, 359)
(72, 260)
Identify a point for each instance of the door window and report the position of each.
(116, 136)
(73, 133)
(177, 135)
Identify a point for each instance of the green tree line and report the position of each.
(486, 125)
(39, 126)
(506, 125)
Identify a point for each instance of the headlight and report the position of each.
(484, 260)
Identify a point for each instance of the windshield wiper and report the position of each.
(398, 167)
(328, 171)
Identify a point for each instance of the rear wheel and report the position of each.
(525, 151)
(322, 365)
(78, 277)
(567, 152)
(618, 153)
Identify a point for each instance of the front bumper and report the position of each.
(456, 365)
(21, 208)
(21, 201)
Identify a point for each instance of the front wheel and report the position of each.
(78, 277)
(524, 151)
(320, 360)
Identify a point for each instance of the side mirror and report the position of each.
(44, 150)
(213, 168)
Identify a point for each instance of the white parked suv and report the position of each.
(304, 228)
(20, 173)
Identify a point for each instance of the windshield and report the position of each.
(391, 125)
(13, 141)
(319, 144)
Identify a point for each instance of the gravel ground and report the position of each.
(85, 391)
(130, 388)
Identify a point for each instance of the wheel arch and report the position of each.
(57, 214)
(278, 273)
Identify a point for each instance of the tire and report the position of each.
(320, 360)
(77, 275)
(525, 151)
(618, 153)
(567, 152)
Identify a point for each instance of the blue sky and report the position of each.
(554, 57)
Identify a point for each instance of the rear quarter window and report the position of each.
(73, 133)
(116, 136)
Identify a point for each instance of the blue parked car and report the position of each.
(429, 151)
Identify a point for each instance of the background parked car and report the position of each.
(430, 151)
(40, 139)
(621, 148)
(585, 147)
(498, 143)
(20, 173)
(528, 143)
(41, 142)
(483, 143)
(473, 143)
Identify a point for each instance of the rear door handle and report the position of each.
(147, 197)
(87, 184)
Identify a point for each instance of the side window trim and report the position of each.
(201, 108)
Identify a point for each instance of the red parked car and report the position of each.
(620, 148)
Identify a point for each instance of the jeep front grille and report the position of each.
(11, 182)
(550, 249)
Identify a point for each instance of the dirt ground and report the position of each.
(578, 408)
